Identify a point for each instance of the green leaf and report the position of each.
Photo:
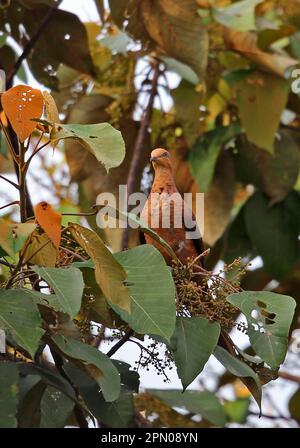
(192, 343)
(237, 410)
(269, 316)
(203, 403)
(68, 287)
(130, 379)
(187, 103)
(13, 236)
(173, 25)
(117, 43)
(49, 377)
(237, 241)
(152, 291)
(101, 140)
(64, 41)
(8, 394)
(241, 370)
(29, 413)
(268, 36)
(294, 406)
(274, 174)
(96, 363)
(110, 275)
(140, 224)
(55, 408)
(19, 316)
(117, 414)
(99, 310)
(239, 16)
(205, 152)
(273, 231)
(255, 104)
(183, 70)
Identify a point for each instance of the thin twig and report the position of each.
(58, 360)
(120, 343)
(34, 153)
(9, 204)
(10, 182)
(7, 264)
(289, 377)
(74, 254)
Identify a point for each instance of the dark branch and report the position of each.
(119, 344)
(31, 43)
(58, 361)
(140, 142)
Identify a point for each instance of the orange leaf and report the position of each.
(50, 221)
(3, 119)
(21, 104)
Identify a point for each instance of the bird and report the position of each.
(166, 212)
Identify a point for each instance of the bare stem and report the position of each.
(10, 182)
(22, 184)
(9, 204)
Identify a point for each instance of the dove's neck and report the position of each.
(163, 180)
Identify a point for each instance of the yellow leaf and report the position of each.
(21, 105)
(41, 251)
(50, 221)
(52, 114)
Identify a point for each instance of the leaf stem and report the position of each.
(10, 182)
(9, 204)
(22, 184)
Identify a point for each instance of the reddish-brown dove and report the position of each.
(168, 214)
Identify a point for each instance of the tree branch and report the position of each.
(289, 377)
(9, 204)
(58, 361)
(141, 141)
(31, 43)
(120, 343)
(9, 181)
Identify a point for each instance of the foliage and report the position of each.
(68, 288)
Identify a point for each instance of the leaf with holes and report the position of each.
(19, 316)
(21, 105)
(101, 140)
(13, 236)
(94, 362)
(50, 221)
(192, 343)
(68, 287)
(269, 317)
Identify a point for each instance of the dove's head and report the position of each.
(160, 157)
